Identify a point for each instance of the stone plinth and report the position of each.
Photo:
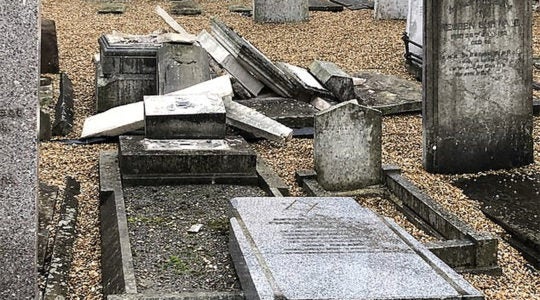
(180, 117)
(19, 84)
(347, 147)
(391, 9)
(280, 11)
(332, 248)
(478, 79)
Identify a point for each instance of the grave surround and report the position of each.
(478, 77)
(19, 84)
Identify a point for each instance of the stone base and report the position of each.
(146, 161)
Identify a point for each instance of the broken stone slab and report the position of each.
(289, 112)
(220, 86)
(356, 4)
(334, 79)
(298, 238)
(322, 104)
(324, 5)
(47, 201)
(111, 8)
(280, 11)
(181, 66)
(252, 121)
(387, 93)
(229, 63)
(391, 9)
(311, 86)
(185, 8)
(144, 160)
(63, 116)
(115, 121)
(49, 48)
(254, 61)
(347, 147)
(184, 117)
(187, 37)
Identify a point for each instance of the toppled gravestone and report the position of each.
(49, 47)
(324, 5)
(63, 117)
(280, 11)
(333, 248)
(185, 8)
(334, 79)
(356, 4)
(347, 147)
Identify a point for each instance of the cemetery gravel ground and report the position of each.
(351, 39)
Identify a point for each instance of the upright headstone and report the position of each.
(280, 11)
(477, 85)
(390, 9)
(415, 25)
(347, 147)
(19, 83)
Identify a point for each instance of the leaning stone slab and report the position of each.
(185, 8)
(252, 121)
(280, 11)
(478, 103)
(289, 112)
(63, 115)
(388, 94)
(181, 117)
(334, 79)
(220, 86)
(227, 61)
(49, 47)
(346, 251)
(115, 121)
(347, 147)
(19, 102)
(311, 87)
(181, 66)
(391, 9)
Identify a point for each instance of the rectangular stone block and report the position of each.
(181, 117)
(477, 85)
(19, 85)
(347, 147)
(332, 248)
(128, 54)
(142, 158)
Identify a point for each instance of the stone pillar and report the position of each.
(477, 85)
(390, 9)
(19, 83)
(415, 25)
(347, 147)
(280, 11)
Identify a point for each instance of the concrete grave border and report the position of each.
(460, 246)
(118, 274)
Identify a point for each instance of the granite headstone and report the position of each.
(347, 147)
(477, 85)
(332, 248)
(19, 84)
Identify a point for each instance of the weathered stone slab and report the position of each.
(346, 251)
(185, 8)
(289, 112)
(44, 126)
(387, 93)
(181, 66)
(220, 86)
(227, 61)
(356, 4)
(311, 87)
(252, 121)
(115, 121)
(111, 8)
(182, 160)
(241, 9)
(415, 25)
(391, 9)
(49, 47)
(280, 11)
(181, 117)
(19, 84)
(63, 111)
(334, 79)
(478, 103)
(324, 5)
(347, 147)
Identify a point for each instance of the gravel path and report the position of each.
(351, 39)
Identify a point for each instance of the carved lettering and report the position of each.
(11, 112)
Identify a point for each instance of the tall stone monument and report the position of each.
(347, 147)
(19, 83)
(477, 85)
(280, 11)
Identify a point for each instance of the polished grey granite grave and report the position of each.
(178, 117)
(160, 161)
(332, 248)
